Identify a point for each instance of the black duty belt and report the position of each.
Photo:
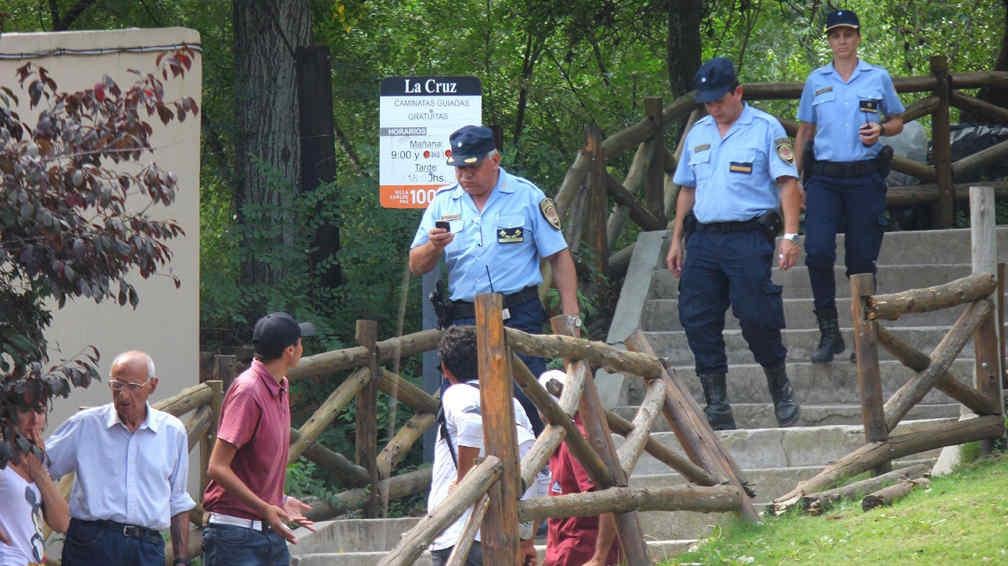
(845, 168)
(466, 309)
(132, 531)
(725, 227)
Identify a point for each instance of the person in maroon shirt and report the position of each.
(575, 541)
(248, 511)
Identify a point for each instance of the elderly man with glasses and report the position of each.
(132, 465)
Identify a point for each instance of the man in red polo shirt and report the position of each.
(575, 541)
(248, 511)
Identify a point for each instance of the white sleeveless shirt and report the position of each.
(21, 519)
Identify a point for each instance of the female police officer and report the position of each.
(736, 170)
(845, 107)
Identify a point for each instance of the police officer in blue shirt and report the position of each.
(736, 170)
(845, 107)
(493, 228)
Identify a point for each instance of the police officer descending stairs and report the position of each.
(736, 162)
(845, 108)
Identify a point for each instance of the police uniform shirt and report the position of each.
(499, 248)
(735, 176)
(838, 109)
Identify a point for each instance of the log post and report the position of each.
(983, 247)
(593, 418)
(398, 447)
(1001, 323)
(206, 446)
(654, 181)
(664, 454)
(967, 289)
(366, 432)
(618, 216)
(598, 199)
(500, 526)
(943, 212)
(713, 499)
(224, 366)
(868, 375)
(397, 487)
(460, 552)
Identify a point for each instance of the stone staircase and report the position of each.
(773, 460)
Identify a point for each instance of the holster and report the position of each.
(442, 306)
(808, 158)
(689, 225)
(884, 160)
(772, 224)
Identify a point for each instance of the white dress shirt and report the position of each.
(137, 478)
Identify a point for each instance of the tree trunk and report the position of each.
(267, 36)
(682, 56)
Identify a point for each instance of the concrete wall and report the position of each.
(166, 322)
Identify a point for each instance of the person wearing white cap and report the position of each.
(575, 541)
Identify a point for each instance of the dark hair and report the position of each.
(272, 354)
(458, 352)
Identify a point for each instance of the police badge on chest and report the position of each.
(514, 235)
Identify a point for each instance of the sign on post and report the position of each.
(416, 116)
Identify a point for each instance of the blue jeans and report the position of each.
(730, 268)
(529, 317)
(852, 205)
(229, 545)
(91, 543)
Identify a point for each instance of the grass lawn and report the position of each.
(961, 519)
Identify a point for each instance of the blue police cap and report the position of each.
(714, 79)
(842, 18)
(469, 145)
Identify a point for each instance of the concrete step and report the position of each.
(658, 550)
(353, 535)
(778, 447)
(891, 278)
(925, 247)
(663, 314)
(799, 342)
(761, 415)
(824, 384)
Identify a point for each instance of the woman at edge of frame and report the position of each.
(846, 106)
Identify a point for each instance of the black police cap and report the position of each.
(276, 331)
(714, 79)
(469, 145)
(842, 18)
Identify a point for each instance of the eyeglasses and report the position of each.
(116, 385)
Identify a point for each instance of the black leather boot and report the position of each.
(786, 409)
(830, 340)
(718, 411)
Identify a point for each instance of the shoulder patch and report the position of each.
(549, 212)
(784, 149)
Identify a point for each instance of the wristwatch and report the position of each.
(793, 237)
(575, 320)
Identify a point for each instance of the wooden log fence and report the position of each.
(648, 193)
(977, 322)
(715, 484)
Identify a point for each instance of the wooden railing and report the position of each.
(493, 487)
(646, 195)
(979, 321)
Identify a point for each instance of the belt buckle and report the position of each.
(130, 531)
